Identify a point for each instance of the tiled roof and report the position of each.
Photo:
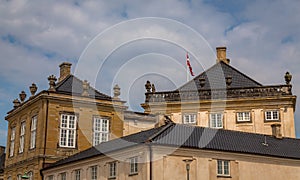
(215, 78)
(179, 135)
(73, 85)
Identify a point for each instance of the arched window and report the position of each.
(30, 175)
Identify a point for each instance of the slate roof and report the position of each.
(73, 85)
(179, 135)
(215, 77)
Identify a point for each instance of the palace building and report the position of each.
(222, 124)
(223, 97)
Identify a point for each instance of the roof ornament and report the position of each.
(22, 96)
(228, 81)
(33, 88)
(85, 87)
(148, 86)
(52, 83)
(117, 91)
(202, 82)
(288, 78)
(153, 88)
(16, 103)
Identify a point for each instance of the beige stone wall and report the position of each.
(48, 108)
(168, 164)
(256, 125)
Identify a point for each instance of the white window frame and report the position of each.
(12, 142)
(30, 175)
(33, 131)
(19, 177)
(216, 120)
(63, 176)
(270, 115)
(189, 118)
(112, 169)
(68, 127)
(94, 173)
(243, 116)
(133, 165)
(100, 130)
(22, 136)
(223, 167)
(77, 174)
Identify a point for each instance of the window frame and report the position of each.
(77, 174)
(101, 130)
(12, 141)
(69, 132)
(221, 163)
(133, 161)
(63, 176)
(213, 118)
(272, 115)
(50, 177)
(243, 120)
(188, 117)
(22, 136)
(112, 169)
(94, 172)
(33, 131)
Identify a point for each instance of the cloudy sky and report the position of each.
(261, 36)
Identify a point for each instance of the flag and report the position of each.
(189, 64)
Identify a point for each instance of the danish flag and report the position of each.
(189, 64)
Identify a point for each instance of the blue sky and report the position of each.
(262, 38)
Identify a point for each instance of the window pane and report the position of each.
(219, 167)
(226, 168)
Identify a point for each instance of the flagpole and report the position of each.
(187, 74)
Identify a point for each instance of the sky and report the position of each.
(129, 42)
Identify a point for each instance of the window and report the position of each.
(94, 173)
(9, 178)
(51, 177)
(12, 141)
(223, 168)
(33, 132)
(30, 175)
(216, 120)
(272, 115)
(67, 131)
(22, 137)
(134, 165)
(77, 174)
(19, 177)
(63, 176)
(243, 116)
(189, 119)
(112, 169)
(100, 130)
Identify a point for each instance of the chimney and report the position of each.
(221, 55)
(65, 70)
(276, 131)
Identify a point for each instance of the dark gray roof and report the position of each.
(179, 135)
(73, 85)
(215, 78)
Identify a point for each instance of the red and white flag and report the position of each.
(189, 64)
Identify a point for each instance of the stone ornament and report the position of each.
(85, 87)
(288, 78)
(52, 82)
(16, 103)
(33, 88)
(117, 91)
(22, 96)
(148, 86)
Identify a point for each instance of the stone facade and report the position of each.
(224, 90)
(47, 107)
